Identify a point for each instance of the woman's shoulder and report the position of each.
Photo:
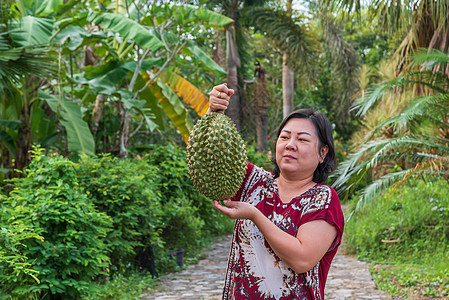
(259, 173)
(321, 188)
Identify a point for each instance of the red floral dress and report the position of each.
(254, 271)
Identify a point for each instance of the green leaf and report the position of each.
(192, 49)
(71, 36)
(7, 140)
(48, 7)
(151, 103)
(80, 139)
(29, 30)
(206, 17)
(147, 64)
(127, 28)
(11, 124)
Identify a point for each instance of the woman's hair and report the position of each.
(325, 138)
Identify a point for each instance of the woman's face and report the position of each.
(297, 150)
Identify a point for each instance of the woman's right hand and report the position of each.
(219, 98)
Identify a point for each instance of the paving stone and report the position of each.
(348, 279)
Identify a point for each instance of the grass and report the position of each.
(405, 237)
(411, 282)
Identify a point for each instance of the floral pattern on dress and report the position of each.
(254, 270)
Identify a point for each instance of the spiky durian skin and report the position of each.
(216, 157)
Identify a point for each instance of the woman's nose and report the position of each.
(290, 145)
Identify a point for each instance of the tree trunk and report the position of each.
(23, 144)
(124, 133)
(219, 54)
(232, 77)
(97, 112)
(261, 109)
(288, 85)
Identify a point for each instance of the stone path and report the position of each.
(348, 279)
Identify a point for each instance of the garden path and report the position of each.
(348, 278)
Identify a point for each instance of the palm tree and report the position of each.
(413, 142)
(429, 20)
(236, 44)
(288, 78)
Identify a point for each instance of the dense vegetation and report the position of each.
(97, 100)
(76, 224)
(405, 235)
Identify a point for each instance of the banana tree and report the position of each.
(142, 49)
(24, 68)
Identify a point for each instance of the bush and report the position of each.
(148, 208)
(128, 192)
(72, 253)
(186, 210)
(13, 264)
(259, 159)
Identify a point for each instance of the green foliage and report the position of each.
(126, 190)
(259, 159)
(410, 281)
(13, 264)
(72, 253)
(407, 227)
(186, 210)
(412, 141)
(123, 287)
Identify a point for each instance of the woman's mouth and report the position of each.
(289, 157)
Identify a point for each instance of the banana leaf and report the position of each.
(187, 91)
(30, 31)
(208, 17)
(8, 141)
(172, 106)
(192, 49)
(127, 28)
(79, 137)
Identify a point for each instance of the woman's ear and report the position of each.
(323, 152)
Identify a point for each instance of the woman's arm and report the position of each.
(302, 252)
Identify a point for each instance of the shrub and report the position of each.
(13, 264)
(259, 159)
(128, 192)
(186, 210)
(49, 201)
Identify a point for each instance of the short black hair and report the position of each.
(325, 136)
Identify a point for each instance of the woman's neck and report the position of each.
(289, 188)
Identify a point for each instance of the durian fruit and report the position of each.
(216, 156)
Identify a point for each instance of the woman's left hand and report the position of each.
(236, 209)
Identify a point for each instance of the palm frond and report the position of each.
(355, 167)
(290, 35)
(433, 166)
(430, 108)
(428, 58)
(375, 188)
(17, 62)
(373, 95)
(433, 80)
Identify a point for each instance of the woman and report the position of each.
(288, 224)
